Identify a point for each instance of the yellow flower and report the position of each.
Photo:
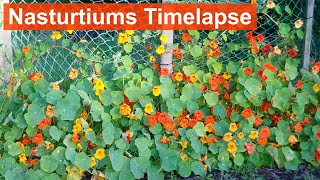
(193, 78)
(227, 137)
(179, 76)
(129, 32)
(56, 35)
(233, 127)
(99, 86)
(184, 144)
(130, 133)
(292, 140)
(9, 93)
(316, 88)
(226, 75)
(270, 4)
(148, 108)
(298, 23)
(160, 49)
(93, 161)
(152, 59)
(79, 147)
(156, 91)
(232, 147)
(123, 38)
(241, 135)
(163, 38)
(282, 73)
(83, 41)
(184, 157)
(213, 45)
(277, 50)
(125, 109)
(79, 54)
(55, 86)
(77, 128)
(78, 121)
(99, 154)
(132, 116)
(73, 73)
(204, 139)
(88, 130)
(209, 127)
(22, 158)
(20, 145)
(70, 31)
(253, 135)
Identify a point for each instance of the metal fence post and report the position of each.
(308, 34)
(166, 58)
(6, 48)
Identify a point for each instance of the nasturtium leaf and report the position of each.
(317, 116)
(106, 98)
(238, 159)
(232, 67)
(221, 127)
(199, 129)
(156, 129)
(65, 42)
(54, 96)
(192, 106)
(184, 169)
(14, 149)
(217, 67)
(52, 176)
(281, 99)
(291, 71)
(220, 110)
(142, 143)
(27, 87)
(70, 154)
(41, 86)
(117, 159)
(82, 161)
(175, 106)
(253, 86)
(86, 100)
(191, 135)
(197, 168)
(302, 98)
(68, 107)
(48, 163)
(55, 133)
(169, 159)
(146, 87)
(288, 10)
(190, 69)
(108, 132)
(146, 73)
(213, 34)
(34, 115)
(155, 173)
(133, 93)
(284, 28)
(96, 110)
(196, 51)
(121, 144)
(128, 47)
(300, 34)
(211, 98)
(117, 97)
(190, 92)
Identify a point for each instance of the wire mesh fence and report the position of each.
(56, 65)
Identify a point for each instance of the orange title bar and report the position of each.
(130, 16)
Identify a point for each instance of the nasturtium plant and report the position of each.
(121, 119)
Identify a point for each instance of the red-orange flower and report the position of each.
(162, 117)
(299, 84)
(184, 123)
(262, 141)
(253, 41)
(264, 133)
(275, 118)
(260, 37)
(198, 115)
(186, 37)
(175, 133)
(164, 139)
(265, 106)
(248, 71)
(255, 49)
(270, 67)
(164, 72)
(317, 154)
(75, 137)
(246, 113)
(212, 140)
(265, 49)
(249, 35)
(152, 120)
(257, 121)
(318, 134)
(168, 125)
(227, 96)
(25, 49)
(37, 138)
(26, 141)
(209, 119)
(192, 122)
(44, 122)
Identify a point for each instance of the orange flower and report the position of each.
(26, 141)
(164, 72)
(258, 121)
(248, 71)
(75, 137)
(212, 140)
(246, 113)
(162, 117)
(37, 138)
(49, 111)
(73, 73)
(186, 37)
(168, 125)
(44, 122)
(255, 49)
(184, 123)
(262, 141)
(209, 119)
(209, 128)
(192, 122)
(299, 84)
(35, 77)
(264, 133)
(298, 128)
(317, 154)
(175, 133)
(198, 115)
(204, 139)
(25, 49)
(260, 37)
(152, 120)
(164, 139)
(249, 35)
(270, 67)
(253, 41)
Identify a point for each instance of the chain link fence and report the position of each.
(56, 65)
